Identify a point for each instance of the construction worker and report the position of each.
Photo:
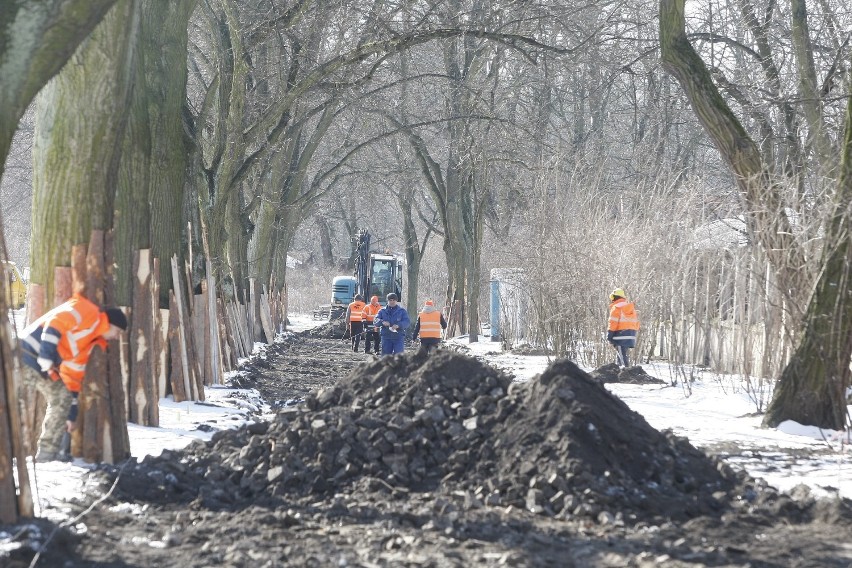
(392, 320)
(371, 332)
(54, 351)
(355, 320)
(429, 324)
(623, 325)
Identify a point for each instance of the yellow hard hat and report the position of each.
(617, 293)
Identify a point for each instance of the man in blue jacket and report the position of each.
(392, 320)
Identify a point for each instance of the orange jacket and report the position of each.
(64, 337)
(355, 311)
(430, 324)
(622, 316)
(370, 311)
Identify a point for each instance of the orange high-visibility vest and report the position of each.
(622, 316)
(356, 310)
(370, 311)
(80, 324)
(430, 324)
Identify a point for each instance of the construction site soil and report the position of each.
(439, 460)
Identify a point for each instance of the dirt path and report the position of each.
(411, 461)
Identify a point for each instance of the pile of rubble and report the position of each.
(559, 445)
(636, 375)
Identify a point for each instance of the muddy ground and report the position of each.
(441, 461)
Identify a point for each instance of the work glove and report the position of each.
(45, 364)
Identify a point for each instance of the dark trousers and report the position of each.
(623, 352)
(356, 328)
(429, 344)
(371, 341)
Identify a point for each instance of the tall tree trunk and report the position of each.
(80, 122)
(36, 39)
(413, 252)
(165, 27)
(221, 200)
(818, 139)
(768, 220)
(812, 388)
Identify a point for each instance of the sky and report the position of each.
(714, 413)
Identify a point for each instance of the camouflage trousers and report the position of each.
(58, 404)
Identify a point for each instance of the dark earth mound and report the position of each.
(443, 461)
(635, 375)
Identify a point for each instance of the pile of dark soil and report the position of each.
(559, 445)
(636, 375)
(334, 329)
(442, 461)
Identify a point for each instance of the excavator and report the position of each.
(376, 274)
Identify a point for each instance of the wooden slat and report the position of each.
(239, 323)
(79, 267)
(179, 367)
(63, 283)
(163, 354)
(117, 353)
(229, 361)
(241, 320)
(35, 302)
(94, 398)
(285, 306)
(202, 336)
(118, 378)
(213, 327)
(156, 346)
(15, 498)
(180, 324)
(141, 372)
(266, 319)
(33, 405)
(251, 314)
(233, 317)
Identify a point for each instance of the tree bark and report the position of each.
(818, 139)
(768, 220)
(812, 388)
(80, 123)
(36, 39)
(153, 164)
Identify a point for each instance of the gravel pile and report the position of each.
(636, 375)
(559, 445)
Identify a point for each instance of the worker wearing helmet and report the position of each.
(355, 320)
(429, 324)
(623, 325)
(371, 332)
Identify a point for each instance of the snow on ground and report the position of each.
(716, 415)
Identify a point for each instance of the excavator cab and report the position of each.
(15, 285)
(385, 276)
(376, 274)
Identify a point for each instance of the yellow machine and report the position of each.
(15, 285)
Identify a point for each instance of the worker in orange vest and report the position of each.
(54, 351)
(371, 332)
(429, 324)
(355, 321)
(623, 325)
